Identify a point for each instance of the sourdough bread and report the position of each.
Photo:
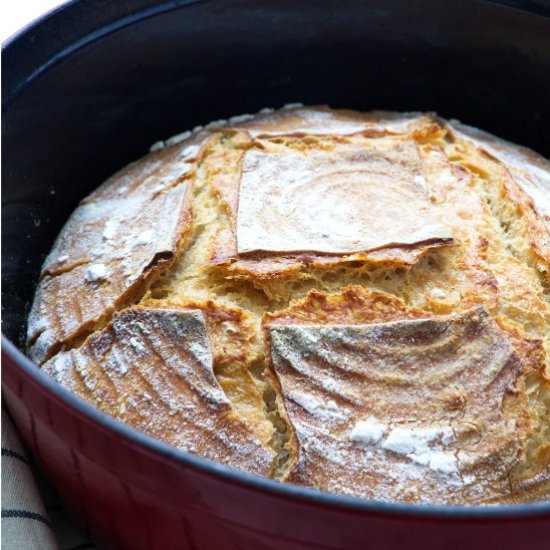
(353, 302)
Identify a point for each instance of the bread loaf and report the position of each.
(353, 302)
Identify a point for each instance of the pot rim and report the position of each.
(20, 361)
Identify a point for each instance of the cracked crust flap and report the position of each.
(335, 202)
(231, 336)
(531, 169)
(152, 369)
(402, 409)
(326, 208)
(525, 184)
(115, 243)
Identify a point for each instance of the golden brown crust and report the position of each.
(321, 120)
(537, 230)
(413, 410)
(533, 484)
(218, 227)
(111, 249)
(467, 215)
(231, 335)
(531, 169)
(377, 173)
(354, 305)
(525, 186)
(265, 269)
(152, 368)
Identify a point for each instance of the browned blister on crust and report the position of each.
(152, 368)
(354, 305)
(412, 410)
(112, 247)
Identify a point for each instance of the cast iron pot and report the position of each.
(90, 86)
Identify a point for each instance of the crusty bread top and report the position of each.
(287, 201)
(284, 201)
(532, 170)
(421, 410)
(368, 292)
(297, 120)
(152, 368)
(115, 242)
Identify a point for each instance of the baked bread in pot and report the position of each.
(355, 302)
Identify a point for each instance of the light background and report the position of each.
(15, 14)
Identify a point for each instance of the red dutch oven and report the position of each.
(87, 88)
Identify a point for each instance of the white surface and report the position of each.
(15, 14)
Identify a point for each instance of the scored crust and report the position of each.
(524, 184)
(116, 241)
(231, 337)
(404, 256)
(280, 203)
(286, 202)
(152, 368)
(531, 170)
(375, 368)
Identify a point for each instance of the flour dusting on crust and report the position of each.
(355, 302)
